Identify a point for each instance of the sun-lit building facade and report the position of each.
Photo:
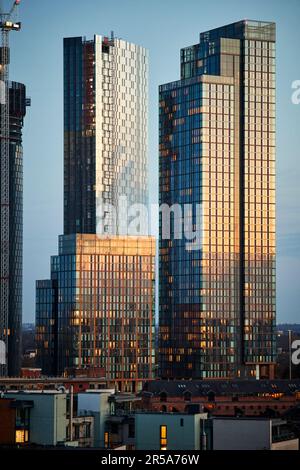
(105, 132)
(98, 308)
(217, 150)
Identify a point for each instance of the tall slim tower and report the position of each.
(12, 112)
(98, 308)
(217, 150)
(105, 130)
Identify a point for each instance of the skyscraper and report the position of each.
(11, 311)
(98, 308)
(105, 130)
(217, 150)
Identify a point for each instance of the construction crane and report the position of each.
(7, 24)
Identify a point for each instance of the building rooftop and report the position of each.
(220, 387)
(244, 29)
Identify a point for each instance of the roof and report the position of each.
(220, 387)
(123, 397)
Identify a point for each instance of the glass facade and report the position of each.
(11, 320)
(105, 130)
(98, 308)
(217, 149)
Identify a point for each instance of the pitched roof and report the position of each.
(220, 387)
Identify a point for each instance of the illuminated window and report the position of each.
(21, 436)
(163, 437)
(106, 439)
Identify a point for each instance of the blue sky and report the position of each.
(163, 27)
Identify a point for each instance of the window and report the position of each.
(76, 431)
(187, 396)
(131, 430)
(163, 437)
(114, 428)
(21, 436)
(106, 440)
(88, 430)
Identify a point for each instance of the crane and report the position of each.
(7, 24)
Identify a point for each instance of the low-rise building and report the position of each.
(120, 424)
(14, 421)
(106, 419)
(96, 403)
(47, 416)
(252, 434)
(80, 383)
(182, 431)
(82, 431)
(269, 398)
(44, 418)
(171, 431)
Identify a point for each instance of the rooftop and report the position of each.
(221, 387)
(244, 29)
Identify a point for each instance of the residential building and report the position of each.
(98, 309)
(82, 431)
(43, 418)
(32, 382)
(46, 420)
(195, 431)
(96, 403)
(14, 421)
(11, 222)
(229, 398)
(120, 424)
(104, 419)
(105, 131)
(171, 431)
(217, 163)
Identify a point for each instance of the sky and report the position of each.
(164, 27)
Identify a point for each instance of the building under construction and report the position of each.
(12, 111)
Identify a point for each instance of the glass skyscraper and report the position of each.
(98, 308)
(11, 286)
(217, 150)
(105, 130)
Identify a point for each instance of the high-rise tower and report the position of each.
(98, 308)
(12, 111)
(105, 130)
(17, 111)
(217, 150)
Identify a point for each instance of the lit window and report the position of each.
(163, 438)
(21, 436)
(106, 439)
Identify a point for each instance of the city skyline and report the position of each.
(48, 207)
(158, 172)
